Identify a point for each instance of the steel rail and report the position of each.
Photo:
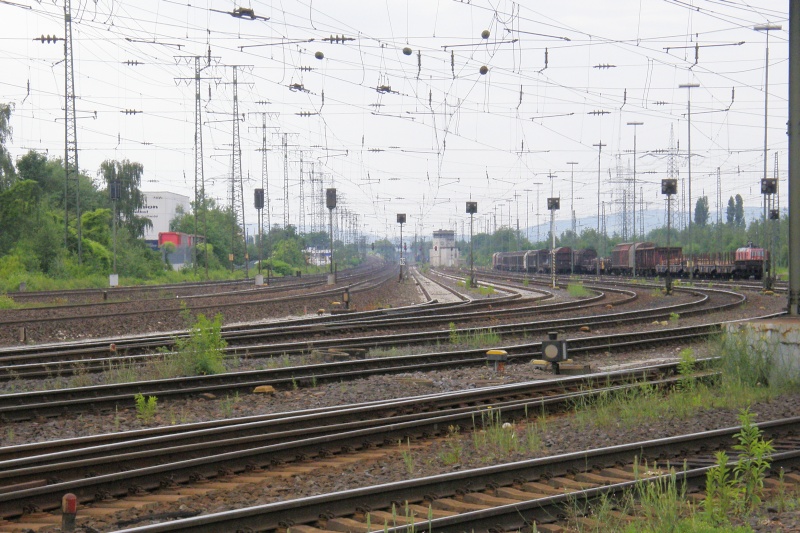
(135, 471)
(354, 287)
(63, 402)
(310, 510)
(282, 329)
(112, 453)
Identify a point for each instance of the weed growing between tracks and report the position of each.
(146, 408)
(577, 290)
(477, 338)
(746, 376)
(7, 303)
(199, 353)
(734, 492)
(483, 291)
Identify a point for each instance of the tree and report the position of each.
(730, 213)
(701, 211)
(218, 232)
(7, 175)
(289, 252)
(131, 198)
(739, 214)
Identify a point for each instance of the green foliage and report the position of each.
(673, 317)
(202, 352)
(146, 408)
(408, 458)
(738, 490)
(217, 229)
(493, 437)
(722, 494)
(577, 290)
(7, 303)
(476, 338)
(6, 164)
(686, 367)
(97, 226)
(730, 212)
(453, 447)
(753, 461)
(701, 211)
(129, 175)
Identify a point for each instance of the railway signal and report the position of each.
(401, 219)
(553, 205)
(258, 200)
(330, 203)
(554, 350)
(472, 208)
(669, 187)
(769, 186)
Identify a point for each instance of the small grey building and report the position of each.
(443, 251)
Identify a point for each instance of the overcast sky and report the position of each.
(422, 133)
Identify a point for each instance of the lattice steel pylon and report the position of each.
(264, 168)
(237, 193)
(199, 176)
(285, 181)
(70, 133)
(199, 180)
(719, 197)
(301, 223)
(672, 173)
(622, 182)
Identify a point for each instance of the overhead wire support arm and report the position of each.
(446, 46)
(242, 13)
(283, 42)
(698, 46)
(509, 30)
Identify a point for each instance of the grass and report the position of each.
(577, 290)
(659, 504)
(744, 379)
(7, 303)
(475, 338)
(480, 289)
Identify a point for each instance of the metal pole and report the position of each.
(794, 158)
(471, 257)
(690, 86)
(633, 235)
(668, 282)
(115, 236)
(766, 29)
(330, 230)
(402, 257)
(599, 150)
(552, 247)
(572, 194)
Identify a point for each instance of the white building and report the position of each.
(444, 252)
(161, 207)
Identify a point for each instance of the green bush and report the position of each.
(577, 291)
(202, 352)
(145, 408)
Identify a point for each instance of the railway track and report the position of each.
(177, 303)
(509, 497)
(780, 286)
(69, 402)
(97, 351)
(34, 475)
(94, 355)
